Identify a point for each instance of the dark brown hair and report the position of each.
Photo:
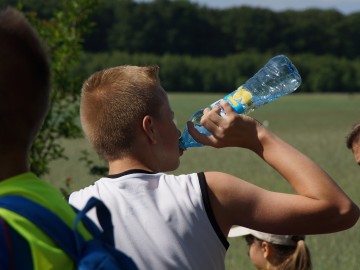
(24, 79)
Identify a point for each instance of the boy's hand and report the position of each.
(233, 130)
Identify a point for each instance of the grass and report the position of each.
(315, 124)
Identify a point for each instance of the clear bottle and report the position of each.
(277, 78)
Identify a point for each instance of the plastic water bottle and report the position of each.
(277, 78)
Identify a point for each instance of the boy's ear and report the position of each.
(149, 128)
(266, 249)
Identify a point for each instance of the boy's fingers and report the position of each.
(206, 110)
(198, 136)
(226, 107)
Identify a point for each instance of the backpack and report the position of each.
(98, 253)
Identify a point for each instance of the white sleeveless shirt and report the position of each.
(161, 221)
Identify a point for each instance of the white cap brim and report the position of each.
(287, 240)
(239, 231)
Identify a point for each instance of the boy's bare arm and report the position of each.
(319, 205)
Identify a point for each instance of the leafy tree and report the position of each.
(163, 26)
(311, 30)
(349, 36)
(104, 16)
(44, 9)
(251, 29)
(185, 28)
(63, 33)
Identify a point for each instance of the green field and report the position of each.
(315, 124)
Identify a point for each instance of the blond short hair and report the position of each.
(113, 104)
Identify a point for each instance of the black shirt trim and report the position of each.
(128, 172)
(208, 209)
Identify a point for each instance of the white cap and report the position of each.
(286, 240)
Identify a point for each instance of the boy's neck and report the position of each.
(125, 164)
(12, 165)
(13, 160)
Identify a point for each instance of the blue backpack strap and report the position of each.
(104, 218)
(47, 221)
(105, 238)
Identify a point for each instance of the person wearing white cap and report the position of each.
(273, 251)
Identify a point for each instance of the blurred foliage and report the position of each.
(62, 32)
(94, 169)
(201, 49)
(182, 73)
(186, 28)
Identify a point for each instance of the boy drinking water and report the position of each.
(165, 221)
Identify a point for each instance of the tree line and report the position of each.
(182, 27)
(206, 49)
(184, 73)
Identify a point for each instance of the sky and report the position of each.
(343, 6)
